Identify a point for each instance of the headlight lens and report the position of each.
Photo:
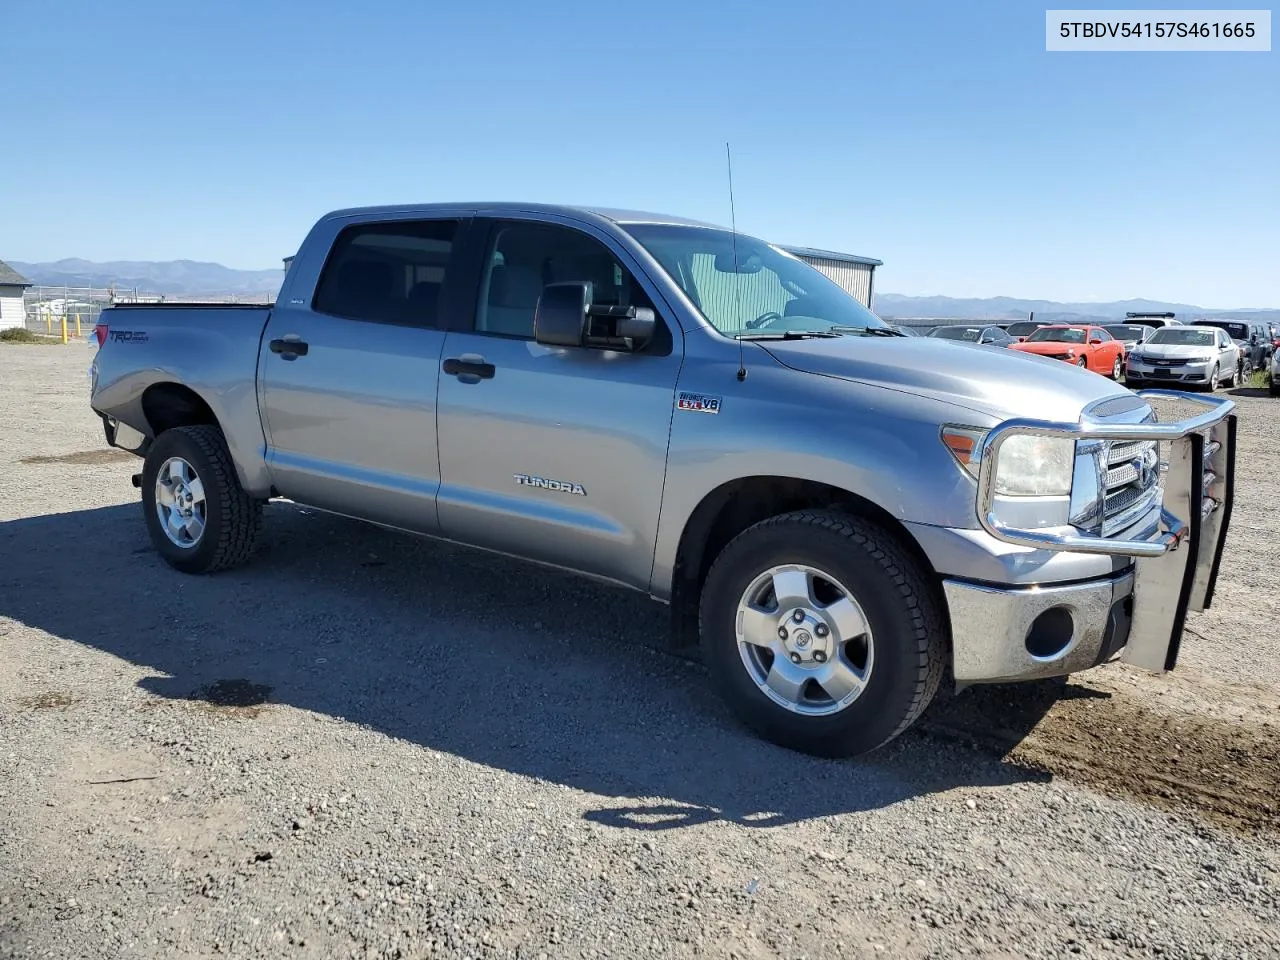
(1029, 466)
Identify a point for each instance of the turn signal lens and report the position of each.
(965, 444)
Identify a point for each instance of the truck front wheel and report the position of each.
(821, 633)
(199, 517)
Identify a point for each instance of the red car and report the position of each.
(1082, 344)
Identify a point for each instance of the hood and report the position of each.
(1176, 351)
(998, 383)
(1047, 347)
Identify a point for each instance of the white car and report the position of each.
(1185, 355)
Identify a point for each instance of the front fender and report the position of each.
(881, 445)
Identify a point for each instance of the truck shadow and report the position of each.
(510, 666)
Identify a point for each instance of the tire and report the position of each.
(901, 647)
(1083, 362)
(232, 520)
(1233, 379)
(1273, 388)
(1213, 380)
(1116, 370)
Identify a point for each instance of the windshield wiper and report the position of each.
(871, 331)
(789, 335)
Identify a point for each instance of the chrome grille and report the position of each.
(1132, 483)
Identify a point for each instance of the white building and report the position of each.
(12, 283)
(856, 274)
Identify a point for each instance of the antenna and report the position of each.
(737, 288)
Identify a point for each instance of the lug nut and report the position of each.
(782, 633)
(819, 656)
(795, 658)
(798, 616)
(821, 630)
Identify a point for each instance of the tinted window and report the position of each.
(1021, 328)
(525, 257)
(1183, 336)
(1126, 331)
(1097, 333)
(388, 272)
(1057, 335)
(956, 333)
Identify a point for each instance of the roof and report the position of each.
(10, 277)
(832, 255)
(498, 208)
(607, 213)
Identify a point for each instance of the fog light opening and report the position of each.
(1051, 634)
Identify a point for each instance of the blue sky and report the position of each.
(939, 137)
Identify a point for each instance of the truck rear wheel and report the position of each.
(821, 633)
(199, 517)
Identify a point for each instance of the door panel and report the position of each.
(551, 453)
(351, 425)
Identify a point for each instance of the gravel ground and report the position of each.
(370, 745)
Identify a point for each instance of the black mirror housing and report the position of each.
(567, 317)
(560, 318)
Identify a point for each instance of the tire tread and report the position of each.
(928, 627)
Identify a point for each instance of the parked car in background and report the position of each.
(1130, 335)
(1273, 375)
(1156, 320)
(1200, 356)
(977, 334)
(1082, 344)
(1253, 339)
(909, 331)
(1021, 329)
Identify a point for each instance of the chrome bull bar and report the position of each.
(1194, 512)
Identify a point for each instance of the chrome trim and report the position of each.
(989, 626)
(1176, 528)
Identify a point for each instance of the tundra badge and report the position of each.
(563, 486)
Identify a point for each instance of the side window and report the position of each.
(525, 257)
(1101, 334)
(391, 272)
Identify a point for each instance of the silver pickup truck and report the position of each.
(846, 518)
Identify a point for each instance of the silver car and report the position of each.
(1196, 356)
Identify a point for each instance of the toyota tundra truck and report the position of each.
(845, 519)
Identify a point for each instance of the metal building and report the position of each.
(12, 285)
(856, 274)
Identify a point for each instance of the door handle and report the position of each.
(290, 348)
(469, 368)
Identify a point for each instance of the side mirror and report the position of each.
(560, 318)
(1095, 340)
(566, 317)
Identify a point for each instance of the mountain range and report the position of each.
(191, 278)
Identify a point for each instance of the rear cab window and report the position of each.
(389, 272)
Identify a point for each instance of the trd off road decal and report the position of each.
(698, 403)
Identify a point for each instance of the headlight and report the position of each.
(1029, 466)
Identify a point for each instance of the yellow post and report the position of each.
(64, 328)
(48, 322)
(77, 326)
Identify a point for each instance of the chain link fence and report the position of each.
(70, 313)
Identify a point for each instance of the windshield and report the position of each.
(1183, 336)
(1057, 335)
(1126, 331)
(769, 293)
(1021, 328)
(1236, 331)
(957, 333)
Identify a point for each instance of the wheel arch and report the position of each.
(735, 505)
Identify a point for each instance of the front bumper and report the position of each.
(1027, 633)
(1151, 373)
(1002, 632)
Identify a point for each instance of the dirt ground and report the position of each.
(370, 745)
